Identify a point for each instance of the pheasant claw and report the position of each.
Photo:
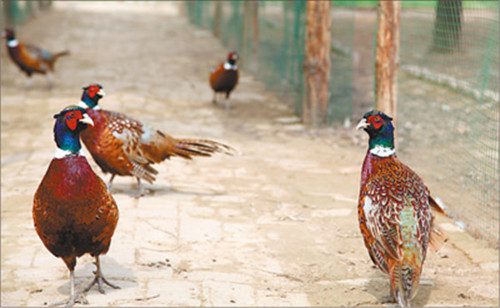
(99, 279)
(70, 302)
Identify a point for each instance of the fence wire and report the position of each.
(448, 106)
(15, 12)
(280, 48)
(448, 110)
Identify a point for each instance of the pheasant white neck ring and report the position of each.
(228, 66)
(83, 105)
(60, 153)
(12, 43)
(382, 151)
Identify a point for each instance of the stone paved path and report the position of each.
(274, 225)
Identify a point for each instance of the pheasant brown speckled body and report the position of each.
(123, 146)
(224, 78)
(73, 212)
(393, 211)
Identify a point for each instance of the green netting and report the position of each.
(448, 111)
(280, 47)
(15, 12)
(342, 41)
(448, 106)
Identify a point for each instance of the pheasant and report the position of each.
(123, 146)
(31, 59)
(224, 77)
(394, 210)
(73, 212)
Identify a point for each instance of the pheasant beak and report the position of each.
(87, 120)
(101, 93)
(362, 124)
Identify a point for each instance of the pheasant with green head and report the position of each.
(393, 210)
(73, 212)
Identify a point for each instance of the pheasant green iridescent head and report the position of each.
(232, 57)
(69, 123)
(92, 94)
(379, 127)
(9, 34)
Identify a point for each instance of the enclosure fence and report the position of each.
(15, 12)
(280, 49)
(448, 106)
(448, 109)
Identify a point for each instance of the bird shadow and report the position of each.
(378, 285)
(114, 272)
(160, 190)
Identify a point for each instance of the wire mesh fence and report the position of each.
(15, 13)
(448, 111)
(279, 50)
(448, 105)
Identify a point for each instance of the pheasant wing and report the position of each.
(381, 210)
(31, 56)
(129, 132)
(33, 51)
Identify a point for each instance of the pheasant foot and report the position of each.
(99, 279)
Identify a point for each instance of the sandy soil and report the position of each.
(274, 225)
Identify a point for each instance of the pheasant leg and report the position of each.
(99, 279)
(74, 298)
(48, 76)
(111, 181)
(140, 188)
(385, 300)
(29, 83)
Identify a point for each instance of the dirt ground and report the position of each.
(274, 225)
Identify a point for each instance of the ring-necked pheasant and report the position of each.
(30, 58)
(73, 211)
(123, 146)
(224, 77)
(393, 210)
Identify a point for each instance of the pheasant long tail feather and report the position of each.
(60, 54)
(200, 147)
(56, 56)
(436, 205)
(437, 238)
(403, 283)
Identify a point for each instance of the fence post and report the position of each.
(254, 7)
(387, 57)
(217, 18)
(44, 4)
(316, 64)
(13, 13)
(183, 7)
(244, 52)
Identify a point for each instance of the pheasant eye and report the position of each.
(376, 121)
(93, 90)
